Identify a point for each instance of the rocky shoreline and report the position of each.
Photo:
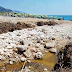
(33, 42)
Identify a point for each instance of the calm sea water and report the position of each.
(66, 17)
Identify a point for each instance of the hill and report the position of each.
(2, 9)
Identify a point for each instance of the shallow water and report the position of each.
(48, 61)
(12, 68)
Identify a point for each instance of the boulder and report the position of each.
(49, 45)
(38, 55)
(22, 47)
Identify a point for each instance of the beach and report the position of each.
(33, 44)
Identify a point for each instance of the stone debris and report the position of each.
(49, 45)
(29, 67)
(2, 57)
(10, 62)
(37, 45)
(38, 55)
(25, 54)
(29, 43)
(45, 69)
(23, 59)
(15, 49)
(22, 47)
(53, 50)
(28, 61)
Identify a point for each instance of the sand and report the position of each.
(28, 20)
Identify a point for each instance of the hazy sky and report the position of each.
(48, 7)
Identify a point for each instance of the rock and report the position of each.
(33, 50)
(25, 54)
(37, 45)
(49, 45)
(9, 47)
(13, 59)
(42, 42)
(2, 57)
(10, 62)
(1, 52)
(38, 39)
(29, 67)
(53, 50)
(22, 47)
(38, 55)
(15, 49)
(27, 42)
(41, 36)
(28, 61)
(45, 69)
(23, 59)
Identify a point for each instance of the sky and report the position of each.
(44, 7)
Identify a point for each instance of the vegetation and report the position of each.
(15, 14)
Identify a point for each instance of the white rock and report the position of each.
(38, 55)
(37, 45)
(25, 54)
(53, 50)
(28, 61)
(22, 47)
(27, 42)
(0, 57)
(15, 49)
(9, 47)
(45, 69)
(50, 45)
(1, 51)
(11, 62)
(29, 67)
(41, 36)
(33, 49)
(23, 59)
(5, 50)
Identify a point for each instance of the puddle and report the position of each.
(12, 68)
(48, 61)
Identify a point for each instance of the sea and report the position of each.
(66, 17)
